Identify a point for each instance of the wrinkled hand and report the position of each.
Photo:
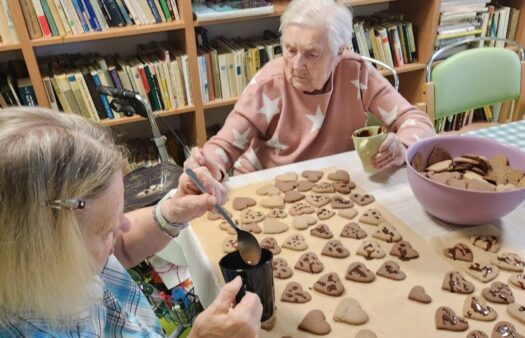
(188, 202)
(391, 152)
(197, 159)
(222, 319)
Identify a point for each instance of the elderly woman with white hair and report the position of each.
(307, 103)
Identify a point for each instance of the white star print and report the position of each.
(388, 116)
(275, 143)
(222, 154)
(240, 140)
(408, 123)
(317, 119)
(251, 156)
(269, 107)
(359, 86)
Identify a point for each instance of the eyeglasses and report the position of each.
(69, 203)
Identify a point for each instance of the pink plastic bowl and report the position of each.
(460, 206)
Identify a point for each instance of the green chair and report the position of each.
(476, 78)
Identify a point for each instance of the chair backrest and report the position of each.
(474, 78)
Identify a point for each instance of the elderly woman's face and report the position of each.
(307, 57)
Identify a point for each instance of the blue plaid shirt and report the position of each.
(124, 312)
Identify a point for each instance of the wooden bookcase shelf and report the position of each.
(424, 14)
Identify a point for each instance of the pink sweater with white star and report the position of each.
(273, 124)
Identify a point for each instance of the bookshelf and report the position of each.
(424, 14)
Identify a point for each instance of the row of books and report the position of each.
(7, 28)
(46, 18)
(385, 36)
(144, 153)
(207, 10)
(464, 19)
(16, 88)
(227, 65)
(457, 121)
(159, 73)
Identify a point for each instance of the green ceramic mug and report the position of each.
(366, 142)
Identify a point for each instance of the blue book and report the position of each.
(124, 12)
(79, 8)
(26, 92)
(104, 99)
(92, 16)
(154, 11)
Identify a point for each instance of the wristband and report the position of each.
(170, 229)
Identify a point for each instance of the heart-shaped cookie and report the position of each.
(370, 250)
(343, 187)
(315, 322)
(476, 308)
(446, 319)
(391, 270)
(280, 267)
(240, 203)
(362, 199)
(317, 200)
(358, 272)
(438, 155)
(456, 283)
(267, 189)
(223, 225)
(324, 213)
(340, 176)
(303, 221)
(277, 213)
(270, 202)
(312, 175)
(252, 227)
(353, 230)
(518, 280)
(505, 330)
(404, 251)
(229, 244)
(285, 186)
(271, 244)
(349, 311)
(293, 196)
(460, 251)
(419, 294)
(323, 188)
(295, 242)
(347, 213)
(252, 216)
(338, 202)
(372, 217)
(294, 293)
(509, 261)
(304, 186)
(274, 226)
(309, 262)
(517, 311)
(483, 272)
(330, 284)
(334, 248)
(498, 292)
(322, 230)
(287, 177)
(365, 333)
(214, 215)
(489, 243)
(477, 334)
(388, 233)
(301, 208)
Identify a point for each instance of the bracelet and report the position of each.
(170, 229)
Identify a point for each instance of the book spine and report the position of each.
(175, 9)
(187, 84)
(134, 16)
(57, 17)
(50, 94)
(49, 18)
(165, 9)
(114, 13)
(60, 95)
(70, 15)
(27, 95)
(86, 96)
(124, 12)
(44, 26)
(99, 14)
(115, 78)
(79, 9)
(92, 17)
(95, 96)
(154, 11)
(103, 98)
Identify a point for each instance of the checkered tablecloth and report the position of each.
(510, 133)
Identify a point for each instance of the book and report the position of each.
(219, 11)
(7, 18)
(50, 94)
(91, 16)
(72, 17)
(26, 92)
(42, 21)
(32, 23)
(56, 16)
(79, 8)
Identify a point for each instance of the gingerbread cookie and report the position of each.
(269, 323)
(304, 186)
(518, 280)
(309, 262)
(267, 189)
(240, 203)
(372, 217)
(476, 308)
(295, 242)
(334, 248)
(442, 166)
(338, 202)
(358, 272)
(287, 177)
(322, 230)
(460, 252)
(417, 162)
(509, 261)
(349, 311)
(281, 270)
(274, 226)
(214, 215)
(330, 285)
(339, 176)
(438, 155)
(446, 319)
(517, 311)
(304, 221)
(347, 213)
(456, 283)
(223, 225)
(293, 196)
(391, 270)
(324, 213)
(252, 216)
(271, 244)
(489, 243)
(315, 322)
(277, 213)
(362, 199)
(365, 333)
(312, 175)
(418, 294)
(270, 202)
(353, 230)
(370, 250)
(323, 188)
(285, 186)
(477, 334)
(229, 244)
(294, 293)
(404, 251)
(483, 272)
(344, 187)
(505, 330)
(317, 200)
(388, 233)
(252, 227)
(498, 292)
(301, 208)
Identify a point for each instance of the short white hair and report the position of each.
(335, 17)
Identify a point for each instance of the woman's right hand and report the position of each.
(198, 159)
(222, 319)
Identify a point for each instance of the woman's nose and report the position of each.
(299, 61)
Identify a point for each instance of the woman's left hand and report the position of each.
(188, 202)
(391, 152)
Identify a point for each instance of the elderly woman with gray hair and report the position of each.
(65, 241)
(307, 103)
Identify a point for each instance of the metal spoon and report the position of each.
(247, 244)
